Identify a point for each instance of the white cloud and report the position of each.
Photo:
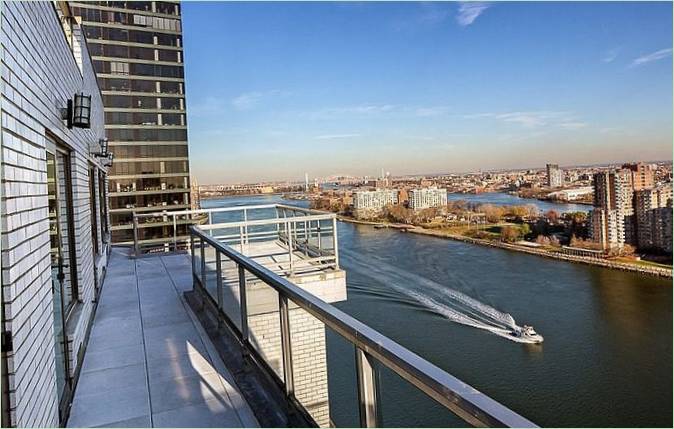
(657, 55)
(250, 100)
(573, 125)
(469, 12)
(610, 55)
(336, 136)
(534, 119)
(430, 111)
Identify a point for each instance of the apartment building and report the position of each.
(555, 176)
(613, 214)
(653, 208)
(643, 175)
(54, 217)
(137, 52)
(370, 203)
(427, 197)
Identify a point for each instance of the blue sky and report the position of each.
(278, 89)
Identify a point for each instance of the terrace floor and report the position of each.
(149, 362)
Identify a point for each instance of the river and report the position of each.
(607, 355)
(500, 198)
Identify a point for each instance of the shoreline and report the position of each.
(622, 266)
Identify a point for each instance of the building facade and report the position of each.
(653, 208)
(54, 216)
(426, 198)
(137, 52)
(370, 203)
(555, 176)
(643, 175)
(613, 222)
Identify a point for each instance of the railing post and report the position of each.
(241, 239)
(318, 228)
(136, 245)
(210, 221)
(192, 252)
(245, 221)
(290, 247)
(175, 234)
(218, 273)
(367, 390)
(286, 351)
(243, 305)
(334, 242)
(203, 264)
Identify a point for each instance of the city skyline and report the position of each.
(376, 80)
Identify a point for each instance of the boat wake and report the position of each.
(454, 305)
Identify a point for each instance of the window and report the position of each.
(119, 68)
(103, 206)
(92, 209)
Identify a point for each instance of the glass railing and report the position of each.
(290, 330)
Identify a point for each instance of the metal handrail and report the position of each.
(463, 400)
(309, 215)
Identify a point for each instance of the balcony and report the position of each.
(227, 326)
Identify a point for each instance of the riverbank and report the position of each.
(623, 266)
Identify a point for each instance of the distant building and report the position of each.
(555, 176)
(367, 204)
(613, 216)
(426, 198)
(572, 194)
(643, 175)
(653, 208)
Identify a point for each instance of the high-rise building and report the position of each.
(643, 175)
(613, 214)
(427, 198)
(653, 208)
(137, 52)
(555, 176)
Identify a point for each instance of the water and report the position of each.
(499, 198)
(607, 355)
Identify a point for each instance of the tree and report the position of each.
(492, 213)
(552, 216)
(510, 234)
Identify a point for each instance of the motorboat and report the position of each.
(528, 333)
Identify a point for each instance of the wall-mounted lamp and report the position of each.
(107, 162)
(102, 149)
(77, 113)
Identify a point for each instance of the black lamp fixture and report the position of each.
(78, 111)
(107, 162)
(103, 148)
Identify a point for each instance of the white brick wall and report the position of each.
(307, 339)
(39, 72)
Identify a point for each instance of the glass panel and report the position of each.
(57, 275)
(64, 211)
(210, 282)
(230, 297)
(342, 382)
(310, 370)
(264, 323)
(403, 405)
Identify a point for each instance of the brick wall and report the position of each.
(39, 72)
(307, 339)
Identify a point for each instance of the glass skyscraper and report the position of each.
(137, 50)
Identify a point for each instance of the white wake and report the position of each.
(454, 305)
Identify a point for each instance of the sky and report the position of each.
(275, 90)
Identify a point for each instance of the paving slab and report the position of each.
(149, 363)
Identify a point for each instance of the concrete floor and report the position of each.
(148, 362)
